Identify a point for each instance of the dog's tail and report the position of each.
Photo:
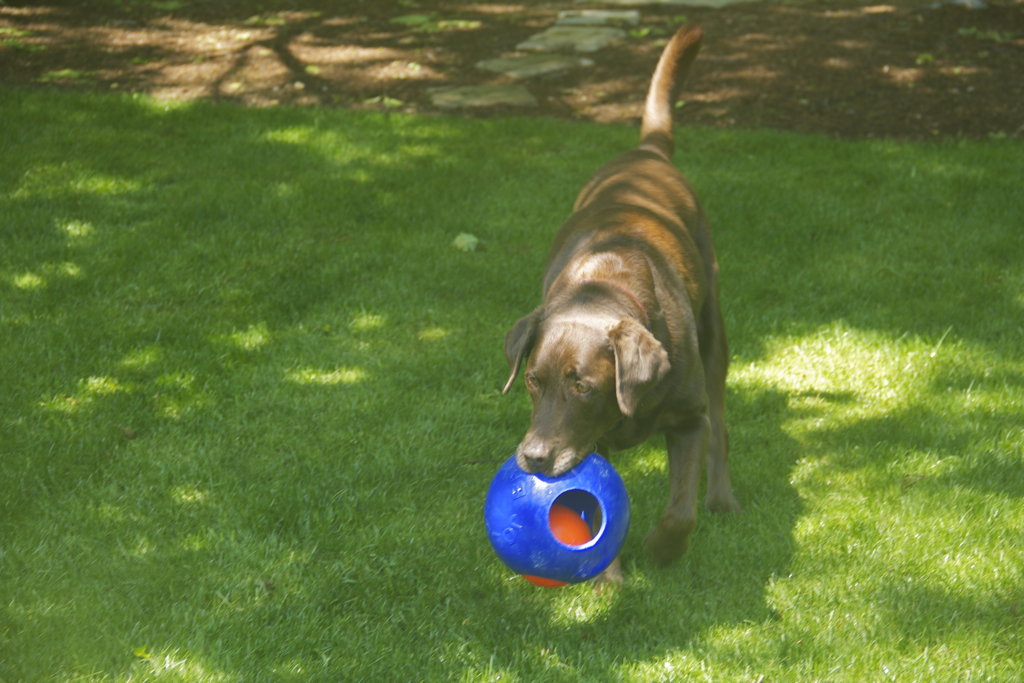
(669, 76)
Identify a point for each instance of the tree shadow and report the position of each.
(239, 368)
(285, 380)
(912, 609)
(976, 447)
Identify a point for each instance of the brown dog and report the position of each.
(630, 339)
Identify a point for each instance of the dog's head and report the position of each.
(585, 370)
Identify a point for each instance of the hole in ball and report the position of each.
(576, 518)
(573, 519)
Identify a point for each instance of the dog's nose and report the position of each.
(535, 454)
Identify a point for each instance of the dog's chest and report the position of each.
(626, 434)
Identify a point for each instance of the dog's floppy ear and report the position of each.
(640, 363)
(518, 343)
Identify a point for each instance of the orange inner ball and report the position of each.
(569, 528)
(567, 525)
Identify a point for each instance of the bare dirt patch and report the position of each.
(844, 68)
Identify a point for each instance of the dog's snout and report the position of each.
(551, 457)
(535, 454)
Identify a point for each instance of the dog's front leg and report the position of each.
(611, 576)
(686, 448)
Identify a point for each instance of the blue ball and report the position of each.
(516, 515)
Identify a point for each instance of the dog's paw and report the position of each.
(670, 539)
(611, 578)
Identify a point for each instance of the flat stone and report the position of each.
(482, 96)
(677, 3)
(580, 39)
(598, 17)
(536, 64)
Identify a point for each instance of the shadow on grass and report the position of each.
(719, 584)
(975, 449)
(899, 239)
(242, 362)
(244, 365)
(918, 614)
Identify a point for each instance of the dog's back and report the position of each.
(645, 180)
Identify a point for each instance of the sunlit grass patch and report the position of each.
(252, 338)
(49, 179)
(79, 232)
(89, 391)
(27, 281)
(67, 75)
(367, 321)
(898, 479)
(328, 377)
(142, 358)
(45, 273)
(433, 334)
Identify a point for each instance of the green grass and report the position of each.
(243, 370)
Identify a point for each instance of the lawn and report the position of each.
(250, 403)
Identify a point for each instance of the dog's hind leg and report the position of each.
(715, 359)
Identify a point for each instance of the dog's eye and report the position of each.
(582, 388)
